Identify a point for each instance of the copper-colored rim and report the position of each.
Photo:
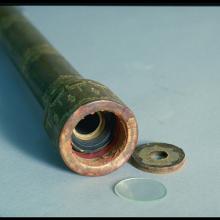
(110, 161)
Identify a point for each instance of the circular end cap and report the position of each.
(158, 157)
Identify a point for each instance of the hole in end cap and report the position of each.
(158, 155)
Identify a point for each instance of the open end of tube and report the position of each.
(98, 138)
(94, 132)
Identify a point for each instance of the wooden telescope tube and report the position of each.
(93, 130)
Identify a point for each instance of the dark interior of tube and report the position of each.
(94, 132)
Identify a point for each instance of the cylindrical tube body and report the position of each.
(68, 98)
(37, 60)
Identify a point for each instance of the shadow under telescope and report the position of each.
(21, 117)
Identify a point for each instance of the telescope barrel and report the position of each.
(93, 130)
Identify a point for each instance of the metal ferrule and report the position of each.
(67, 99)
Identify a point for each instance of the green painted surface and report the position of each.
(58, 87)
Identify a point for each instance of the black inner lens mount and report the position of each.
(89, 124)
(94, 132)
